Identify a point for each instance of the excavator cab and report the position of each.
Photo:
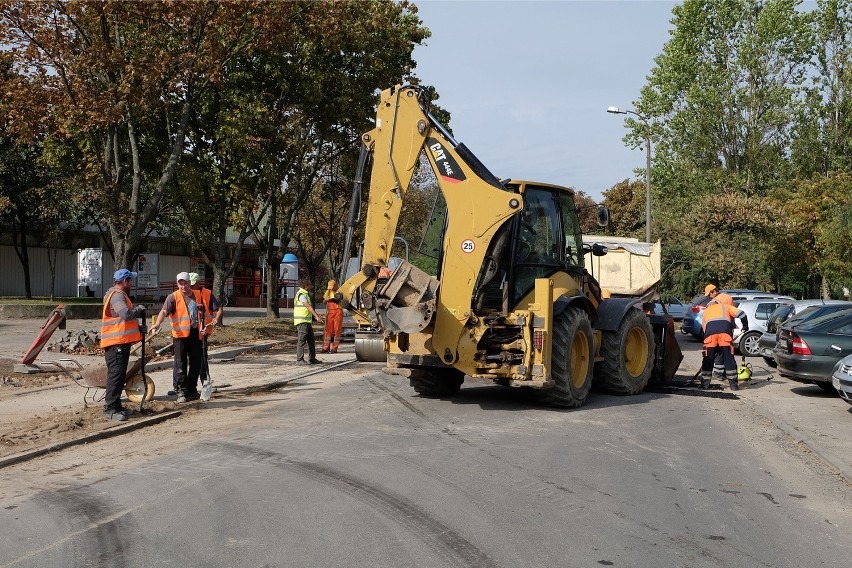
(542, 239)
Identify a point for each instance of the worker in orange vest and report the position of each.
(212, 312)
(718, 325)
(119, 330)
(182, 309)
(333, 319)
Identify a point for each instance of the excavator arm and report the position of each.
(478, 204)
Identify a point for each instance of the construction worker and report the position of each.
(303, 314)
(333, 319)
(119, 330)
(182, 309)
(212, 311)
(718, 326)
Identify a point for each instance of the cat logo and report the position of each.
(448, 168)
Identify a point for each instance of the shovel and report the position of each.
(207, 386)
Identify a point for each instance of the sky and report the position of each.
(528, 83)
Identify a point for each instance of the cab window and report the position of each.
(539, 243)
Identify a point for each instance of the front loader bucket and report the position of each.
(406, 303)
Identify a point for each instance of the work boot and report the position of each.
(115, 416)
(314, 361)
(301, 362)
(333, 350)
(181, 398)
(705, 384)
(734, 385)
(325, 350)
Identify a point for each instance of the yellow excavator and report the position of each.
(511, 300)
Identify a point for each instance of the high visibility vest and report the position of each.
(301, 314)
(114, 331)
(718, 318)
(202, 298)
(181, 322)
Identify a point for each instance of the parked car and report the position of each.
(692, 318)
(802, 311)
(841, 379)
(757, 312)
(674, 307)
(807, 352)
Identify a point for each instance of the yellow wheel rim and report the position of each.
(636, 352)
(579, 360)
(134, 387)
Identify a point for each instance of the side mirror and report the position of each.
(603, 216)
(599, 249)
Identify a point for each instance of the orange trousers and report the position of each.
(333, 329)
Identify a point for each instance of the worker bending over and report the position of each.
(718, 325)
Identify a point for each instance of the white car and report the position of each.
(757, 311)
(841, 379)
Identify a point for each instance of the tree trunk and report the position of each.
(825, 289)
(19, 230)
(51, 262)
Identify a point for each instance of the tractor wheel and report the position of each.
(628, 355)
(134, 386)
(572, 359)
(439, 383)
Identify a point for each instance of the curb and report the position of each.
(136, 425)
(108, 433)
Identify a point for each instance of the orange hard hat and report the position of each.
(709, 288)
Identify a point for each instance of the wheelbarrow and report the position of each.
(94, 378)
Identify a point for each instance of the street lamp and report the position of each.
(644, 119)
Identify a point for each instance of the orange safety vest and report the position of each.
(202, 297)
(115, 331)
(717, 321)
(181, 323)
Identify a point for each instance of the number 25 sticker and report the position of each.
(468, 246)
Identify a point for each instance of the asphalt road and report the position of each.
(351, 468)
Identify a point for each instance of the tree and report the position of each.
(113, 85)
(626, 203)
(823, 141)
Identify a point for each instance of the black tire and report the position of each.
(827, 387)
(628, 356)
(572, 359)
(438, 383)
(750, 344)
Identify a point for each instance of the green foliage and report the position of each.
(751, 118)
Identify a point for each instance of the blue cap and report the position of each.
(122, 274)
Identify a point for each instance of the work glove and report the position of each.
(139, 311)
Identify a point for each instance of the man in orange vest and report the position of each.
(182, 309)
(333, 320)
(212, 311)
(718, 324)
(119, 330)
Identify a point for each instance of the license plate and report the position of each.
(835, 382)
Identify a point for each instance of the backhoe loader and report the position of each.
(511, 300)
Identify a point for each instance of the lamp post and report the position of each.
(644, 119)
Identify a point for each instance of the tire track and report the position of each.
(100, 535)
(443, 539)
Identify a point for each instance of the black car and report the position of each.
(807, 352)
(794, 313)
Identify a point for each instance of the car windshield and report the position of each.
(780, 314)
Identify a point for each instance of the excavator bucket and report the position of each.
(408, 300)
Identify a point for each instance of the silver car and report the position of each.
(841, 379)
(757, 312)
